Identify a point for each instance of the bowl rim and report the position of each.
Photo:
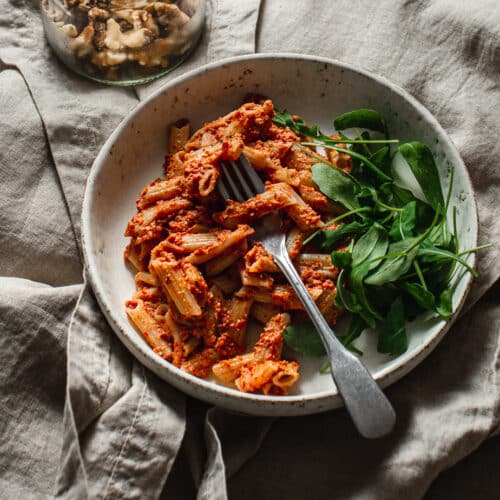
(228, 396)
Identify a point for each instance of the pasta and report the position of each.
(201, 279)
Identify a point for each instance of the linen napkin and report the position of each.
(123, 432)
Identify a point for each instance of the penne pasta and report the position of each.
(160, 190)
(155, 335)
(226, 259)
(176, 286)
(225, 239)
(179, 135)
(227, 283)
(143, 279)
(199, 276)
(259, 280)
(263, 312)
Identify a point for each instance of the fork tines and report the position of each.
(239, 181)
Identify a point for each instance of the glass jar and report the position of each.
(123, 42)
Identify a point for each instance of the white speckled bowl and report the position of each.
(317, 89)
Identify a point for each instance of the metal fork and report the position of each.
(369, 408)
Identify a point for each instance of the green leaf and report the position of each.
(361, 118)
(356, 277)
(341, 259)
(405, 222)
(356, 328)
(303, 337)
(353, 154)
(396, 194)
(423, 297)
(371, 245)
(336, 184)
(419, 158)
(382, 158)
(345, 298)
(392, 336)
(400, 256)
(344, 230)
(441, 236)
(285, 119)
(348, 300)
(431, 253)
(445, 304)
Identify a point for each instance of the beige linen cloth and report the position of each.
(80, 418)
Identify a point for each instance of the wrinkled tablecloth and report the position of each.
(81, 418)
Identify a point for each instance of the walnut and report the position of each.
(155, 54)
(97, 13)
(116, 40)
(138, 19)
(68, 29)
(130, 4)
(116, 31)
(82, 44)
(107, 58)
(170, 15)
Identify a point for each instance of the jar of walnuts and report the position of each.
(123, 42)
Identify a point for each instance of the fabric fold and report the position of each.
(122, 431)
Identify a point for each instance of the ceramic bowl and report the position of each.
(317, 89)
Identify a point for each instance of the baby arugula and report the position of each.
(401, 255)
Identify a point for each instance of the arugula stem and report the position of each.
(455, 243)
(419, 240)
(360, 137)
(418, 270)
(359, 156)
(336, 219)
(450, 186)
(355, 141)
(455, 233)
(315, 155)
(388, 207)
(464, 263)
(386, 219)
(475, 249)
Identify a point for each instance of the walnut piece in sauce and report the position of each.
(109, 35)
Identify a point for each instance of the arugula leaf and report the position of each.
(431, 253)
(285, 119)
(356, 328)
(392, 336)
(333, 236)
(341, 260)
(303, 337)
(445, 304)
(356, 277)
(423, 297)
(400, 257)
(405, 222)
(336, 184)
(382, 158)
(354, 154)
(441, 236)
(372, 245)
(396, 194)
(361, 118)
(348, 300)
(419, 158)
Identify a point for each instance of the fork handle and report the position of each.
(370, 410)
